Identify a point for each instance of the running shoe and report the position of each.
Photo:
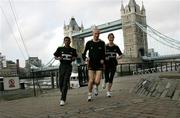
(62, 103)
(108, 94)
(89, 97)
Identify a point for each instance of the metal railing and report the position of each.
(146, 68)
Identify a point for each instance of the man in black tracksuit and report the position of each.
(96, 56)
(66, 55)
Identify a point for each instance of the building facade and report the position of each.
(11, 70)
(33, 62)
(135, 40)
(152, 53)
(2, 61)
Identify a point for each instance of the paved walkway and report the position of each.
(122, 104)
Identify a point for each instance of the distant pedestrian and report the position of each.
(95, 59)
(66, 55)
(111, 62)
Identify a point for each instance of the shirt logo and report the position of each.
(66, 56)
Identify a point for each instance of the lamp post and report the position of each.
(34, 89)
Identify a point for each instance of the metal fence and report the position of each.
(145, 68)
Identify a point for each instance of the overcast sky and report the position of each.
(41, 23)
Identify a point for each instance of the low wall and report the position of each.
(166, 85)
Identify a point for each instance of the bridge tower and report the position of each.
(135, 40)
(76, 42)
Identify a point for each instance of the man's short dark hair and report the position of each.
(110, 34)
(67, 37)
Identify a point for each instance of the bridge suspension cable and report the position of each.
(20, 33)
(12, 32)
(50, 62)
(153, 33)
(164, 36)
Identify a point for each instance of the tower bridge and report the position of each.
(106, 27)
(135, 39)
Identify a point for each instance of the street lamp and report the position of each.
(34, 89)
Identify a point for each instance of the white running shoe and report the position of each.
(62, 103)
(108, 94)
(89, 97)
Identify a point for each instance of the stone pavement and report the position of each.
(123, 104)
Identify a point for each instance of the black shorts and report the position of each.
(95, 65)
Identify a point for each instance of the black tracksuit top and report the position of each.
(96, 54)
(111, 52)
(67, 53)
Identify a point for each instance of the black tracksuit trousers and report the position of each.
(64, 79)
(109, 74)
